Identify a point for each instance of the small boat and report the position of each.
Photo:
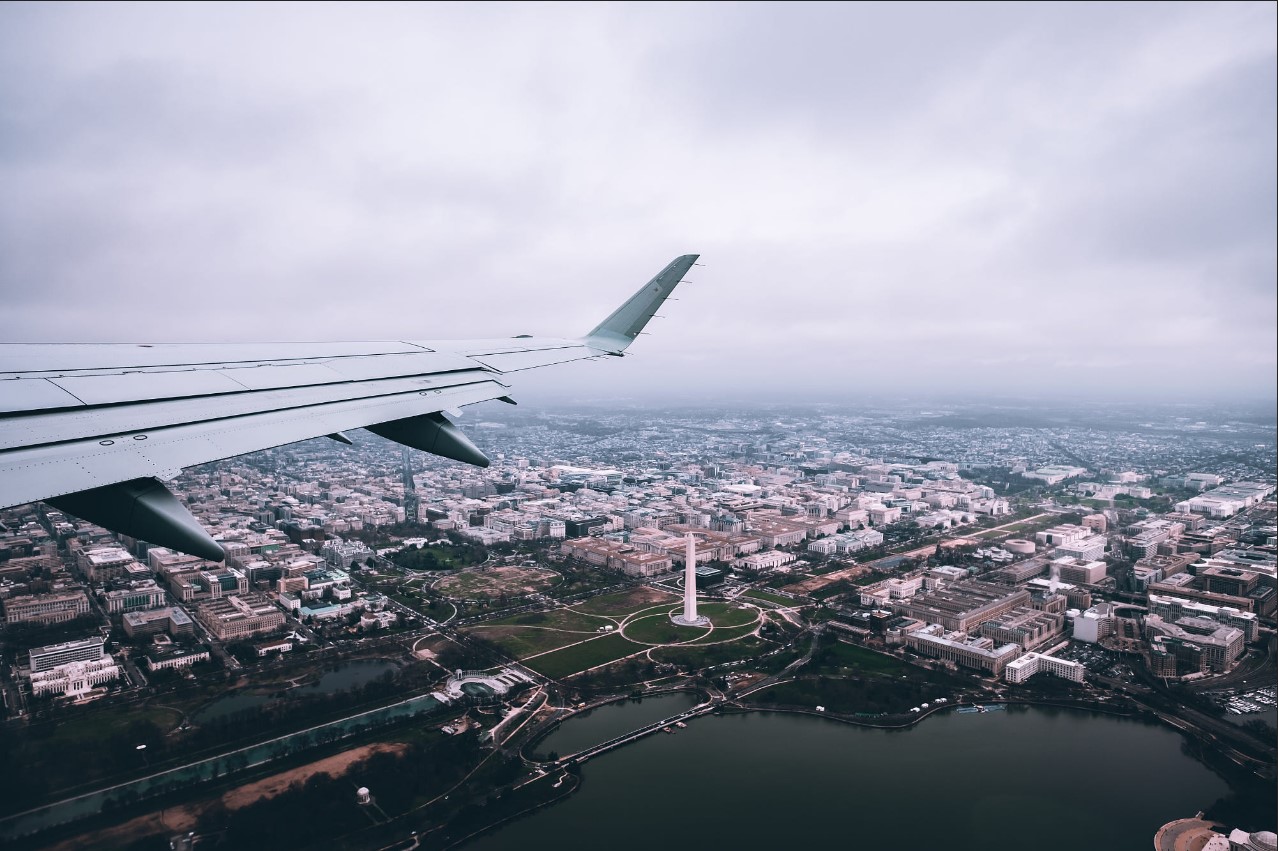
(680, 725)
(666, 730)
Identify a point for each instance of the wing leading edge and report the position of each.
(93, 429)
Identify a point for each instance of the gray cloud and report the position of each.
(980, 198)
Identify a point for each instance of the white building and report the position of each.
(75, 678)
(1094, 624)
(1227, 500)
(1021, 669)
(56, 655)
(768, 560)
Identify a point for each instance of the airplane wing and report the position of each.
(94, 429)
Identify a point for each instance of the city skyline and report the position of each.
(1025, 200)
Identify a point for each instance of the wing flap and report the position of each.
(61, 426)
(515, 361)
(33, 394)
(114, 389)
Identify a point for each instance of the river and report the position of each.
(345, 676)
(1052, 780)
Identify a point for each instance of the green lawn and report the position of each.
(572, 660)
(568, 619)
(624, 603)
(728, 614)
(771, 598)
(93, 726)
(838, 655)
(850, 696)
(702, 656)
(659, 629)
(727, 633)
(523, 641)
(493, 583)
(531, 633)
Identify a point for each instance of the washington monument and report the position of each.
(690, 616)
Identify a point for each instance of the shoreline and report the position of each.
(1136, 714)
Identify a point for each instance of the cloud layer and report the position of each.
(1029, 199)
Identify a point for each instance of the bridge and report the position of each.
(626, 738)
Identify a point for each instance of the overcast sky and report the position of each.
(1040, 200)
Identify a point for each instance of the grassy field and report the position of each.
(850, 696)
(728, 614)
(623, 603)
(524, 641)
(771, 598)
(838, 656)
(494, 582)
(101, 725)
(658, 629)
(726, 633)
(566, 619)
(531, 633)
(573, 660)
(1024, 525)
(702, 656)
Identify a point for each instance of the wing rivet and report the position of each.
(106, 442)
(139, 437)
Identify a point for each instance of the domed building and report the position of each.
(1261, 840)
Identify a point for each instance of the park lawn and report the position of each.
(575, 659)
(1028, 524)
(726, 633)
(840, 655)
(623, 603)
(771, 598)
(460, 584)
(524, 641)
(89, 727)
(412, 601)
(838, 694)
(565, 619)
(728, 614)
(513, 581)
(703, 656)
(658, 629)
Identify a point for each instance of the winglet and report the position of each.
(620, 329)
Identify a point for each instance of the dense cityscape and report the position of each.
(381, 609)
(581, 426)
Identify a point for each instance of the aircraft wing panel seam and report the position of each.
(170, 448)
(106, 428)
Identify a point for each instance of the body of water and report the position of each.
(615, 719)
(1048, 779)
(212, 768)
(346, 676)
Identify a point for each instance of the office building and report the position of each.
(50, 657)
(1021, 669)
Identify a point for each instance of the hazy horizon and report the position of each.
(1022, 201)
